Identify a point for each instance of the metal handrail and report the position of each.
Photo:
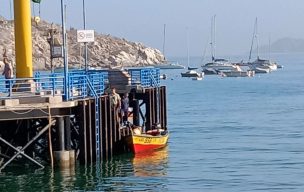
(145, 77)
(44, 83)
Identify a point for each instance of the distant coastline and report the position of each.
(284, 45)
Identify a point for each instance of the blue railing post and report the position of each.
(53, 84)
(10, 87)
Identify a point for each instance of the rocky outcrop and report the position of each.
(105, 52)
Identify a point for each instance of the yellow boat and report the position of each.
(151, 140)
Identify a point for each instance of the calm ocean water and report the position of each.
(227, 134)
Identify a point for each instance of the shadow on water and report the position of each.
(125, 172)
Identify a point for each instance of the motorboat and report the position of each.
(191, 73)
(170, 66)
(199, 78)
(249, 73)
(218, 65)
(263, 63)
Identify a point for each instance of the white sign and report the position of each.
(56, 51)
(85, 36)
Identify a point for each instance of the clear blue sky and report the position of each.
(143, 20)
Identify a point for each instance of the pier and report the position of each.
(43, 124)
(58, 118)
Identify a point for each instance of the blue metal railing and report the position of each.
(146, 77)
(53, 83)
(44, 83)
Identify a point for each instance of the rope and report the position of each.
(50, 138)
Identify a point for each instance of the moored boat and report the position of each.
(151, 140)
(170, 66)
(264, 64)
(218, 65)
(248, 73)
(163, 76)
(192, 73)
(199, 78)
(260, 65)
(261, 69)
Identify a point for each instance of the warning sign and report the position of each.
(85, 36)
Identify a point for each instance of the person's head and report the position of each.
(126, 95)
(113, 90)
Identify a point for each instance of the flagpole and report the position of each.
(65, 61)
(85, 44)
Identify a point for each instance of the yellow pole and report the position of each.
(23, 38)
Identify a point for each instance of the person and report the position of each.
(8, 70)
(115, 103)
(124, 108)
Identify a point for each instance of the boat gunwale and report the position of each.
(149, 135)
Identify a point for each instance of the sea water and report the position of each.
(227, 134)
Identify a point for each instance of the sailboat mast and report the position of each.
(188, 57)
(211, 43)
(257, 37)
(164, 42)
(269, 47)
(214, 37)
(253, 38)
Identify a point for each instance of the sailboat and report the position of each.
(168, 64)
(259, 65)
(216, 65)
(191, 70)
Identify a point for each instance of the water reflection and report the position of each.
(62, 179)
(144, 172)
(151, 164)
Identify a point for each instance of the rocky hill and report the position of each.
(105, 52)
(284, 45)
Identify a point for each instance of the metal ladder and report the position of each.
(97, 122)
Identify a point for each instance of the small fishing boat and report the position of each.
(152, 140)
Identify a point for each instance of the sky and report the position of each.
(143, 21)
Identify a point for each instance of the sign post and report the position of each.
(85, 36)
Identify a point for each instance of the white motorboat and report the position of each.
(218, 65)
(191, 73)
(249, 73)
(199, 78)
(170, 66)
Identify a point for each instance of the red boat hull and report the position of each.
(145, 142)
